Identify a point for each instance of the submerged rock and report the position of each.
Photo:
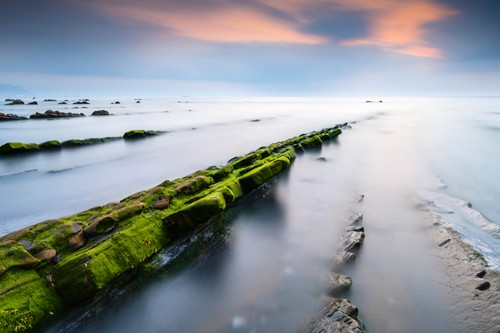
(18, 147)
(337, 316)
(338, 284)
(138, 134)
(15, 102)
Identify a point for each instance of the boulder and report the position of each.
(138, 134)
(343, 258)
(337, 316)
(52, 144)
(100, 113)
(483, 286)
(352, 240)
(33, 103)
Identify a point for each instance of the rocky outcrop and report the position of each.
(33, 103)
(14, 102)
(10, 116)
(65, 262)
(82, 102)
(339, 315)
(10, 148)
(50, 114)
(100, 113)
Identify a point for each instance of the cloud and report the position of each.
(229, 23)
(393, 25)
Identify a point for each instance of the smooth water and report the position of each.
(268, 271)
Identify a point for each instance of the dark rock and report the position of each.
(50, 114)
(10, 116)
(483, 286)
(15, 102)
(18, 147)
(49, 100)
(62, 103)
(138, 102)
(117, 102)
(100, 113)
(469, 205)
(322, 159)
(481, 274)
(360, 197)
(52, 144)
(81, 101)
(137, 134)
(33, 103)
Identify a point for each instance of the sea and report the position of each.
(267, 270)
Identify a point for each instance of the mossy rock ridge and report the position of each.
(82, 254)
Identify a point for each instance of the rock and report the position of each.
(13, 254)
(481, 274)
(62, 103)
(81, 101)
(46, 255)
(50, 114)
(321, 159)
(100, 113)
(337, 316)
(338, 283)
(77, 241)
(18, 147)
(15, 102)
(161, 203)
(138, 134)
(483, 286)
(52, 144)
(117, 102)
(49, 100)
(352, 240)
(10, 116)
(33, 103)
(360, 198)
(138, 102)
(100, 226)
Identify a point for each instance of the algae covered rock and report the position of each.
(259, 175)
(52, 144)
(18, 147)
(138, 134)
(13, 254)
(194, 214)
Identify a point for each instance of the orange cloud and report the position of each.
(230, 23)
(394, 25)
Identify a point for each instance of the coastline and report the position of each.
(473, 309)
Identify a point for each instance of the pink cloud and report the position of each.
(229, 23)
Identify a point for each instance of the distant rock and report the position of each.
(62, 103)
(100, 113)
(137, 134)
(15, 102)
(10, 116)
(50, 114)
(138, 101)
(49, 100)
(117, 102)
(33, 103)
(82, 101)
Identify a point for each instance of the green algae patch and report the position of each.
(26, 301)
(80, 275)
(18, 147)
(13, 254)
(262, 174)
(86, 142)
(194, 214)
(83, 254)
(52, 144)
(138, 134)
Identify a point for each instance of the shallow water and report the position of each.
(268, 271)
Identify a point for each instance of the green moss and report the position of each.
(193, 185)
(189, 217)
(81, 274)
(13, 254)
(26, 301)
(52, 144)
(240, 162)
(262, 174)
(86, 142)
(18, 147)
(137, 134)
(311, 142)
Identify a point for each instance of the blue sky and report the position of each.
(251, 47)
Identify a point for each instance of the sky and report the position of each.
(251, 47)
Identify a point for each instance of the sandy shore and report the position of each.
(474, 310)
